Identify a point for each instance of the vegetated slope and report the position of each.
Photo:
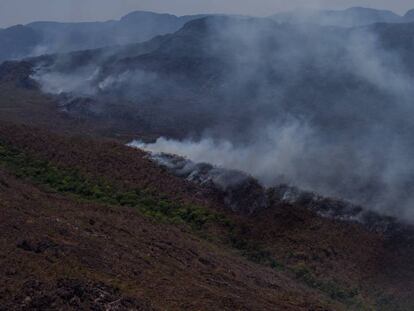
(65, 252)
(59, 253)
(161, 234)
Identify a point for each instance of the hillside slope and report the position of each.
(62, 253)
(65, 252)
(93, 218)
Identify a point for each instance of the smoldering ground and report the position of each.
(325, 108)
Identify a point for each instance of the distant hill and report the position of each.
(409, 16)
(46, 37)
(356, 16)
(53, 37)
(18, 41)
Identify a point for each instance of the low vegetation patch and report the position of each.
(75, 183)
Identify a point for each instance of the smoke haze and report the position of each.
(324, 108)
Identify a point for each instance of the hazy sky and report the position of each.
(23, 11)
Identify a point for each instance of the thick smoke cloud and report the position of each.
(323, 108)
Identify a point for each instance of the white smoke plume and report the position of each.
(79, 82)
(270, 161)
(294, 154)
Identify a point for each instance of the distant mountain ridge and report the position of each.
(45, 37)
(352, 17)
(409, 15)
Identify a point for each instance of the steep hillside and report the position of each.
(58, 252)
(69, 249)
(111, 226)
